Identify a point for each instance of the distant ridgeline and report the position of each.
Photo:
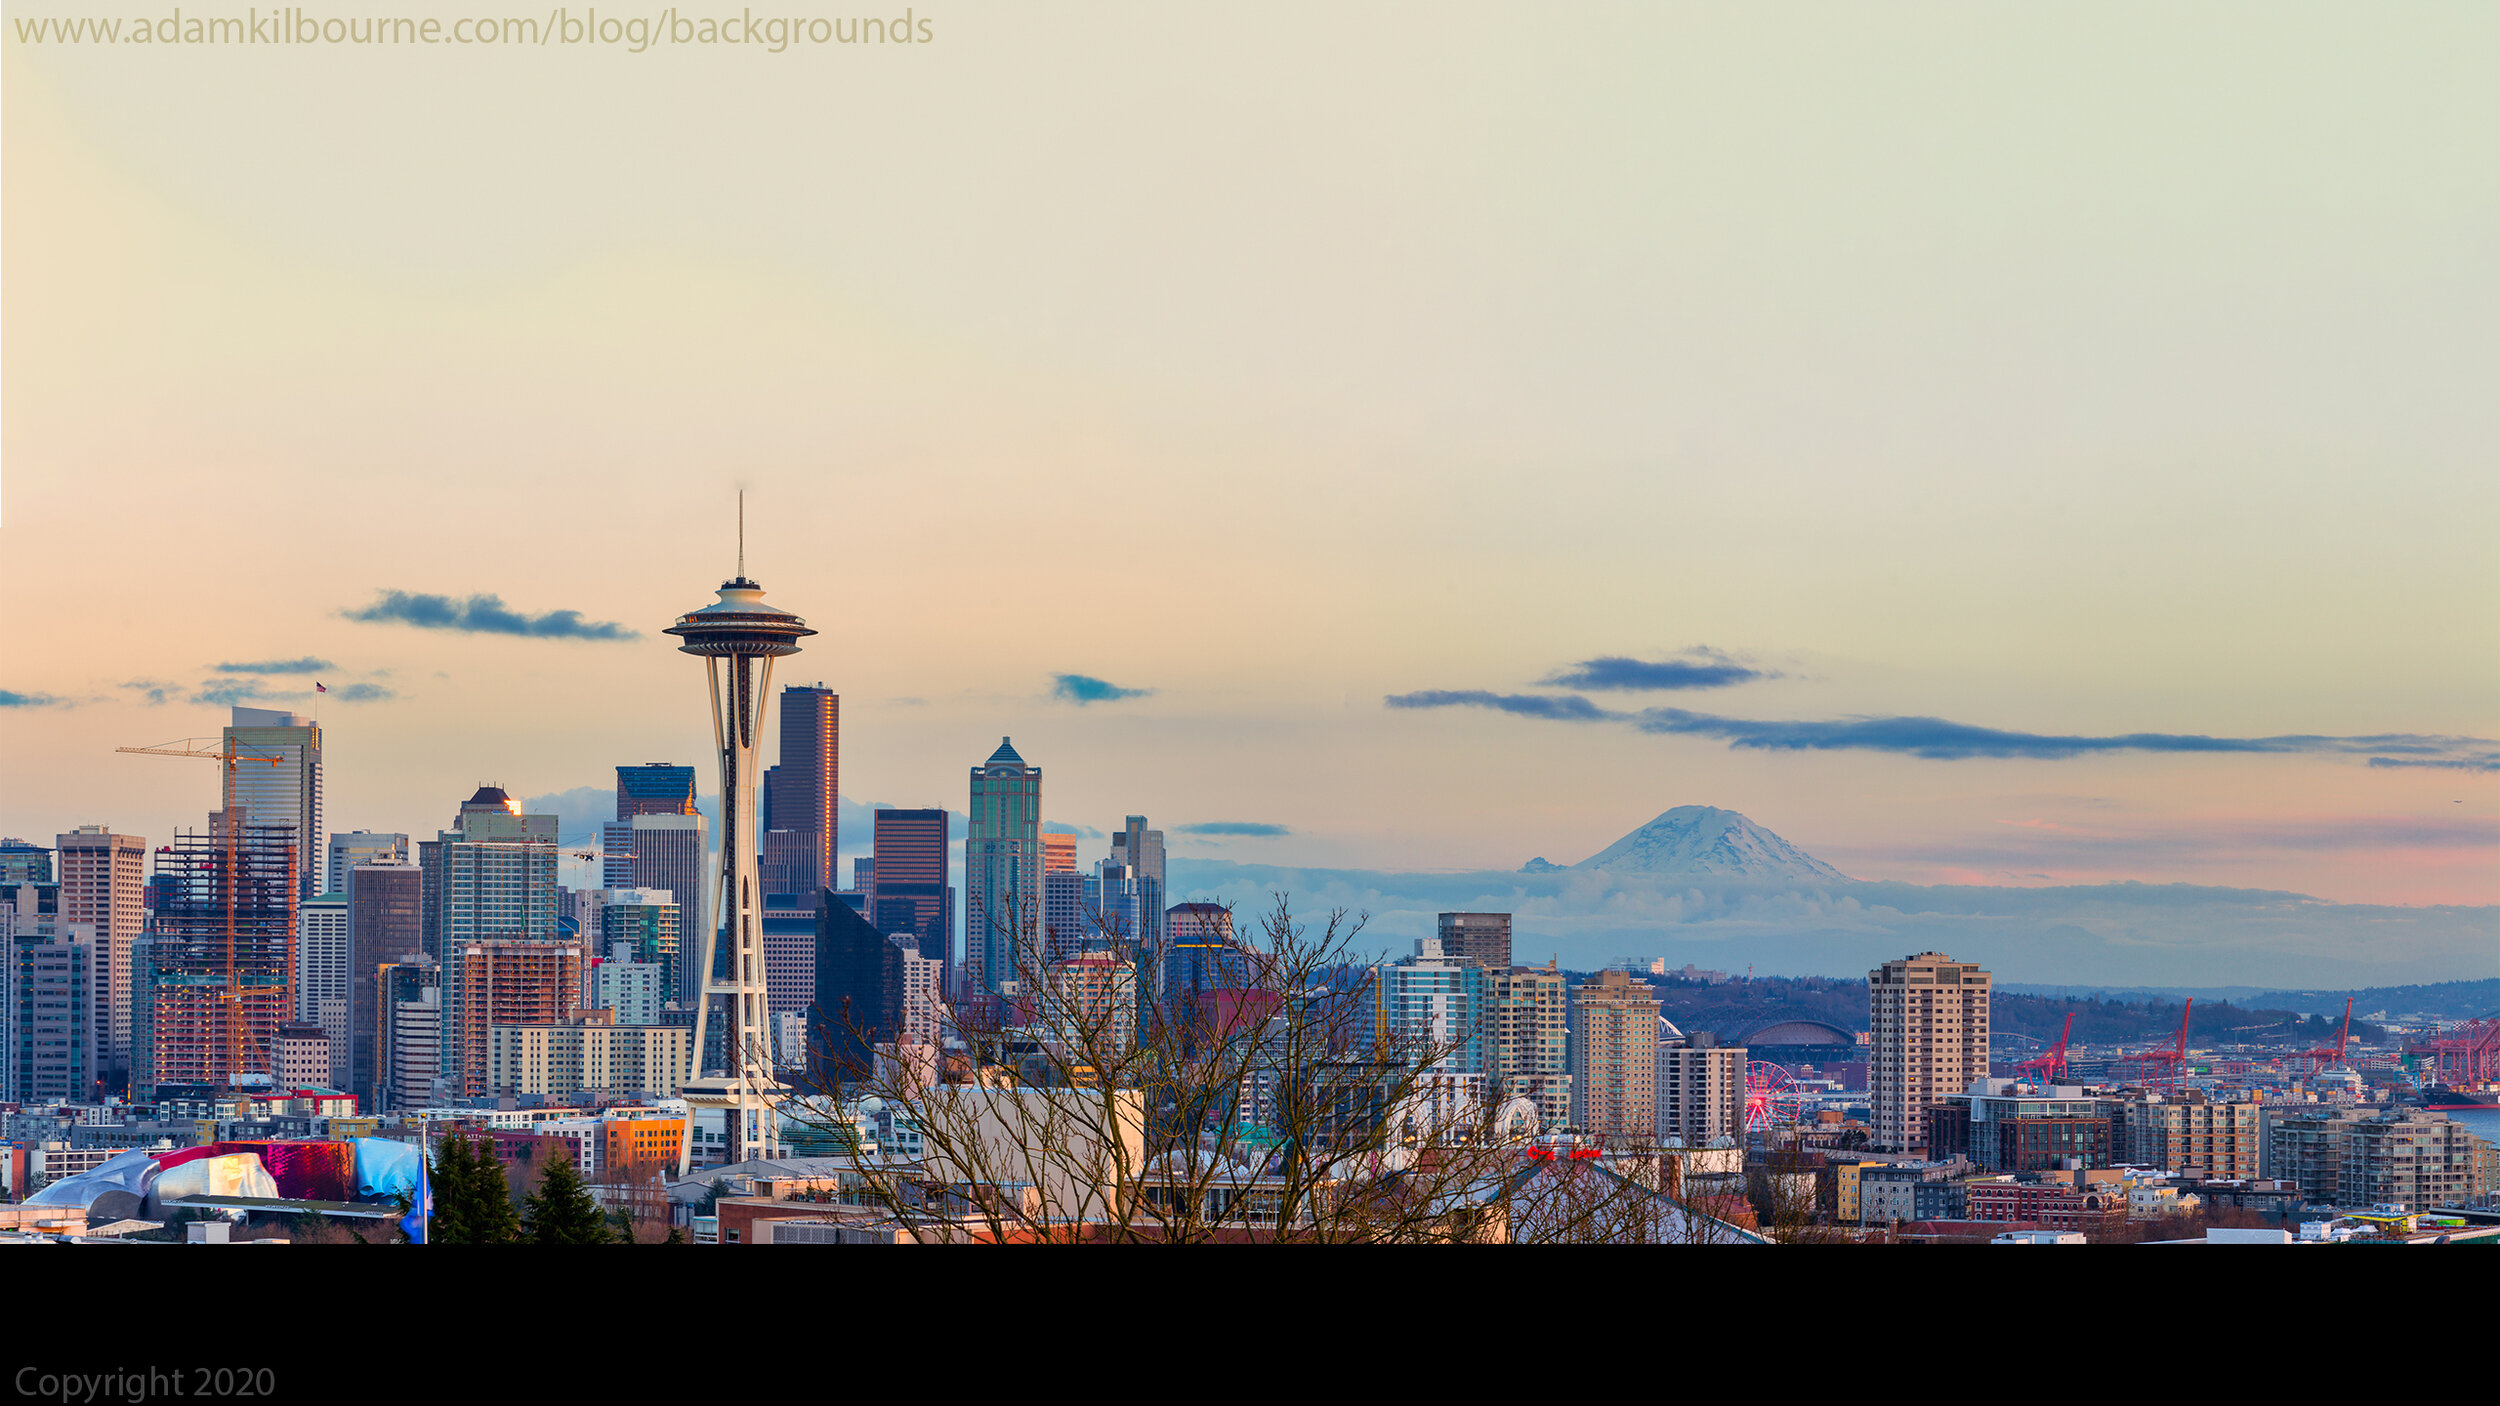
(1732, 1008)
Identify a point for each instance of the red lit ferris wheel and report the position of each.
(1772, 1098)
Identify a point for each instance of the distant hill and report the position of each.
(1705, 840)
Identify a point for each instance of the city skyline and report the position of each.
(2016, 503)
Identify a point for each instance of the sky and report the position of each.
(2013, 446)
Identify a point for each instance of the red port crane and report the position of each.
(2462, 1055)
(2169, 1062)
(2052, 1062)
(2324, 1057)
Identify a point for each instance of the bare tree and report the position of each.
(1097, 1098)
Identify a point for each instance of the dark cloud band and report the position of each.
(1938, 739)
(1706, 668)
(485, 615)
(1256, 828)
(306, 665)
(1082, 689)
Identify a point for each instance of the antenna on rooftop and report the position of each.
(742, 534)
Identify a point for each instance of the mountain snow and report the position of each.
(1707, 840)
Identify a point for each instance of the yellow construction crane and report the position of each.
(230, 999)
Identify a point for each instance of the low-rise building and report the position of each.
(587, 1054)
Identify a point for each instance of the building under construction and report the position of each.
(221, 952)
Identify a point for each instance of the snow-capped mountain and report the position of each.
(1707, 840)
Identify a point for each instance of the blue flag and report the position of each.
(420, 1207)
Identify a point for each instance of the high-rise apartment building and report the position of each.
(644, 926)
(1532, 1039)
(654, 788)
(908, 888)
(1701, 1092)
(804, 793)
(508, 981)
(1481, 938)
(1614, 1066)
(385, 927)
(1003, 876)
(1090, 1008)
(349, 848)
(1929, 1015)
(2409, 1157)
(670, 852)
(103, 884)
(1435, 1007)
(276, 780)
(2190, 1132)
(631, 989)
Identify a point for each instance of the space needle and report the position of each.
(738, 637)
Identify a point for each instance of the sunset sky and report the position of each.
(2067, 373)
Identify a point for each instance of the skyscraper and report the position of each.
(490, 879)
(1701, 1092)
(907, 880)
(51, 1024)
(1058, 854)
(320, 955)
(385, 927)
(1481, 938)
(654, 788)
(1003, 875)
(1929, 1014)
(1532, 1041)
(671, 852)
(807, 784)
(508, 981)
(1436, 1010)
(22, 863)
(1614, 1074)
(1141, 850)
(646, 927)
(104, 883)
(223, 924)
(277, 781)
(1200, 956)
(349, 848)
(1065, 923)
(859, 998)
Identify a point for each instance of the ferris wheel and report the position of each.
(1772, 1098)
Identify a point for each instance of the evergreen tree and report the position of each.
(492, 1221)
(454, 1176)
(561, 1211)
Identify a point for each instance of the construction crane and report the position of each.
(2051, 1063)
(230, 998)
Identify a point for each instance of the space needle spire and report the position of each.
(738, 637)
